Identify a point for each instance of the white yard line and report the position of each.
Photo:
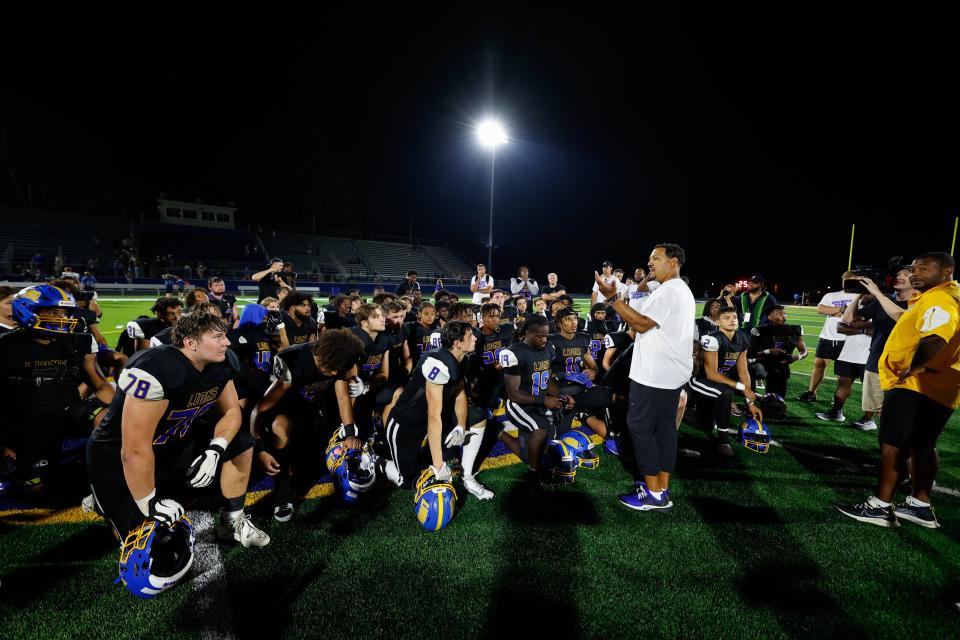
(213, 604)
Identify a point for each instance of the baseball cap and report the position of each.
(606, 263)
(758, 279)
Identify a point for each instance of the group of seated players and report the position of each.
(405, 391)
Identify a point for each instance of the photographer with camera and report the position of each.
(271, 280)
(884, 312)
(832, 305)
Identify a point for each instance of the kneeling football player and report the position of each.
(150, 444)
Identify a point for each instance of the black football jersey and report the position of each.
(162, 338)
(145, 329)
(41, 380)
(533, 366)
(570, 353)
(301, 334)
(436, 367)
(125, 343)
(597, 332)
(771, 336)
(297, 367)
(87, 319)
(420, 340)
(490, 346)
(376, 350)
(255, 352)
(398, 337)
(165, 373)
(226, 303)
(727, 350)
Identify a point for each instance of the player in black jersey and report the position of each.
(420, 334)
(723, 371)
(773, 345)
(433, 402)
(301, 389)
(574, 357)
(297, 324)
(357, 411)
(532, 396)
(401, 359)
(43, 363)
(166, 336)
(226, 302)
(597, 330)
(166, 311)
(253, 344)
(153, 441)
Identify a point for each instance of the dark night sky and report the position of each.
(753, 140)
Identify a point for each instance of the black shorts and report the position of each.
(911, 420)
(409, 450)
(829, 349)
(529, 418)
(844, 369)
(110, 487)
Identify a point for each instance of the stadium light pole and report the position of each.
(491, 135)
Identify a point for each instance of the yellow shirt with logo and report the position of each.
(935, 312)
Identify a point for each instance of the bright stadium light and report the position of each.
(491, 134)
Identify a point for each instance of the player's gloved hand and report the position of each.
(442, 474)
(163, 510)
(357, 387)
(203, 469)
(456, 437)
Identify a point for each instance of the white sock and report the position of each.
(656, 494)
(913, 502)
(393, 473)
(880, 503)
(230, 516)
(471, 449)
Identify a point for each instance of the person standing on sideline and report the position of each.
(832, 305)
(481, 284)
(662, 363)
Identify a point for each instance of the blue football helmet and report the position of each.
(561, 461)
(155, 557)
(335, 452)
(582, 440)
(755, 436)
(435, 502)
(29, 305)
(354, 474)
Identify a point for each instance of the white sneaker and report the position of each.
(829, 416)
(243, 531)
(865, 425)
(476, 489)
(89, 505)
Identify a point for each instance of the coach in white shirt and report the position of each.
(831, 341)
(481, 284)
(662, 363)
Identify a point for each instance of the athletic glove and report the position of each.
(442, 474)
(203, 469)
(456, 437)
(163, 510)
(358, 387)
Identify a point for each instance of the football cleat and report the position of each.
(242, 530)
(477, 490)
(560, 461)
(154, 557)
(755, 436)
(29, 305)
(434, 502)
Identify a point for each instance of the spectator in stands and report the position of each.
(201, 270)
(755, 304)
(524, 285)
(410, 284)
(481, 284)
(188, 271)
(7, 323)
(270, 280)
(169, 280)
(180, 282)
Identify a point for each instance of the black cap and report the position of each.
(758, 279)
(607, 263)
(272, 260)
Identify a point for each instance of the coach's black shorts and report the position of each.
(529, 418)
(844, 369)
(110, 487)
(829, 349)
(911, 420)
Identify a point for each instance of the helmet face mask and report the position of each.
(755, 436)
(155, 557)
(33, 309)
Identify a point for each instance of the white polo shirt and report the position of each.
(663, 356)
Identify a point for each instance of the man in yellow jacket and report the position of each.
(920, 377)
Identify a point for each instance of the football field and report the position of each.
(752, 549)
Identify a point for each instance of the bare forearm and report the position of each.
(138, 470)
(639, 322)
(926, 350)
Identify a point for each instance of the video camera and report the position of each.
(878, 274)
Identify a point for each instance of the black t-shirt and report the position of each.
(405, 287)
(882, 326)
(255, 352)
(39, 381)
(375, 349)
(531, 365)
(771, 336)
(297, 367)
(727, 351)
(570, 352)
(549, 289)
(269, 287)
(398, 337)
(332, 320)
(165, 373)
(436, 367)
(299, 335)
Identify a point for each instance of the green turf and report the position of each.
(753, 549)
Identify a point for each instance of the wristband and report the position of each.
(259, 446)
(144, 503)
(349, 431)
(540, 400)
(740, 386)
(220, 444)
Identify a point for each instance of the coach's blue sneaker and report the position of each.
(917, 512)
(641, 500)
(871, 511)
(611, 447)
